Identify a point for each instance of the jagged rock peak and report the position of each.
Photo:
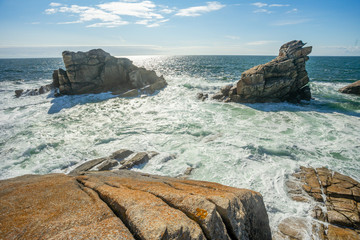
(282, 79)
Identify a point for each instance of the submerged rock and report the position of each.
(353, 88)
(97, 71)
(128, 205)
(282, 79)
(337, 211)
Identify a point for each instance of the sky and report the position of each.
(43, 28)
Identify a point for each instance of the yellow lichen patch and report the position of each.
(201, 213)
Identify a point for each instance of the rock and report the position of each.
(353, 88)
(139, 158)
(130, 93)
(97, 71)
(34, 92)
(125, 157)
(128, 205)
(121, 154)
(202, 96)
(55, 206)
(338, 198)
(282, 79)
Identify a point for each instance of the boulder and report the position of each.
(338, 200)
(97, 71)
(282, 79)
(128, 205)
(353, 88)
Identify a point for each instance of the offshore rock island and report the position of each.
(282, 79)
(97, 71)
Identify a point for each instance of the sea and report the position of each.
(253, 146)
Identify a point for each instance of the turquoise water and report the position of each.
(252, 146)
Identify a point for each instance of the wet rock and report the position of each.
(97, 71)
(34, 92)
(202, 96)
(282, 79)
(123, 159)
(337, 196)
(128, 205)
(353, 88)
(139, 158)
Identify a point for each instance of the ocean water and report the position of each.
(255, 146)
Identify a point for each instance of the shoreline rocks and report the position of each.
(353, 88)
(336, 212)
(282, 79)
(128, 205)
(97, 71)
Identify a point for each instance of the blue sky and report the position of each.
(178, 27)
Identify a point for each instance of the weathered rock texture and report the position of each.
(97, 71)
(128, 205)
(282, 79)
(338, 209)
(353, 88)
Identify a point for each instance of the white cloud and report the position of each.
(144, 9)
(109, 24)
(279, 5)
(260, 4)
(51, 11)
(89, 13)
(111, 14)
(53, 4)
(262, 11)
(199, 10)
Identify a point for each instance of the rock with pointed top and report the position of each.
(282, 79)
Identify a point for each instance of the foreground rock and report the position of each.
(353, 88)
(282, 79)
(337, 211)
(97, 71)
(128, 205)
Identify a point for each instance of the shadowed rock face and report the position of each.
(353, 88)
(97, 71)
(282, 79)
(128, 205)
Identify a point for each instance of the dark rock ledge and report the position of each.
(336, 212)
(97, 71)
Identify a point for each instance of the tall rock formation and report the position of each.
(128, 205)
(282, 79)
(97, 71)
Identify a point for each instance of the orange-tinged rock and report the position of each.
(41, 207)
(128, 205)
